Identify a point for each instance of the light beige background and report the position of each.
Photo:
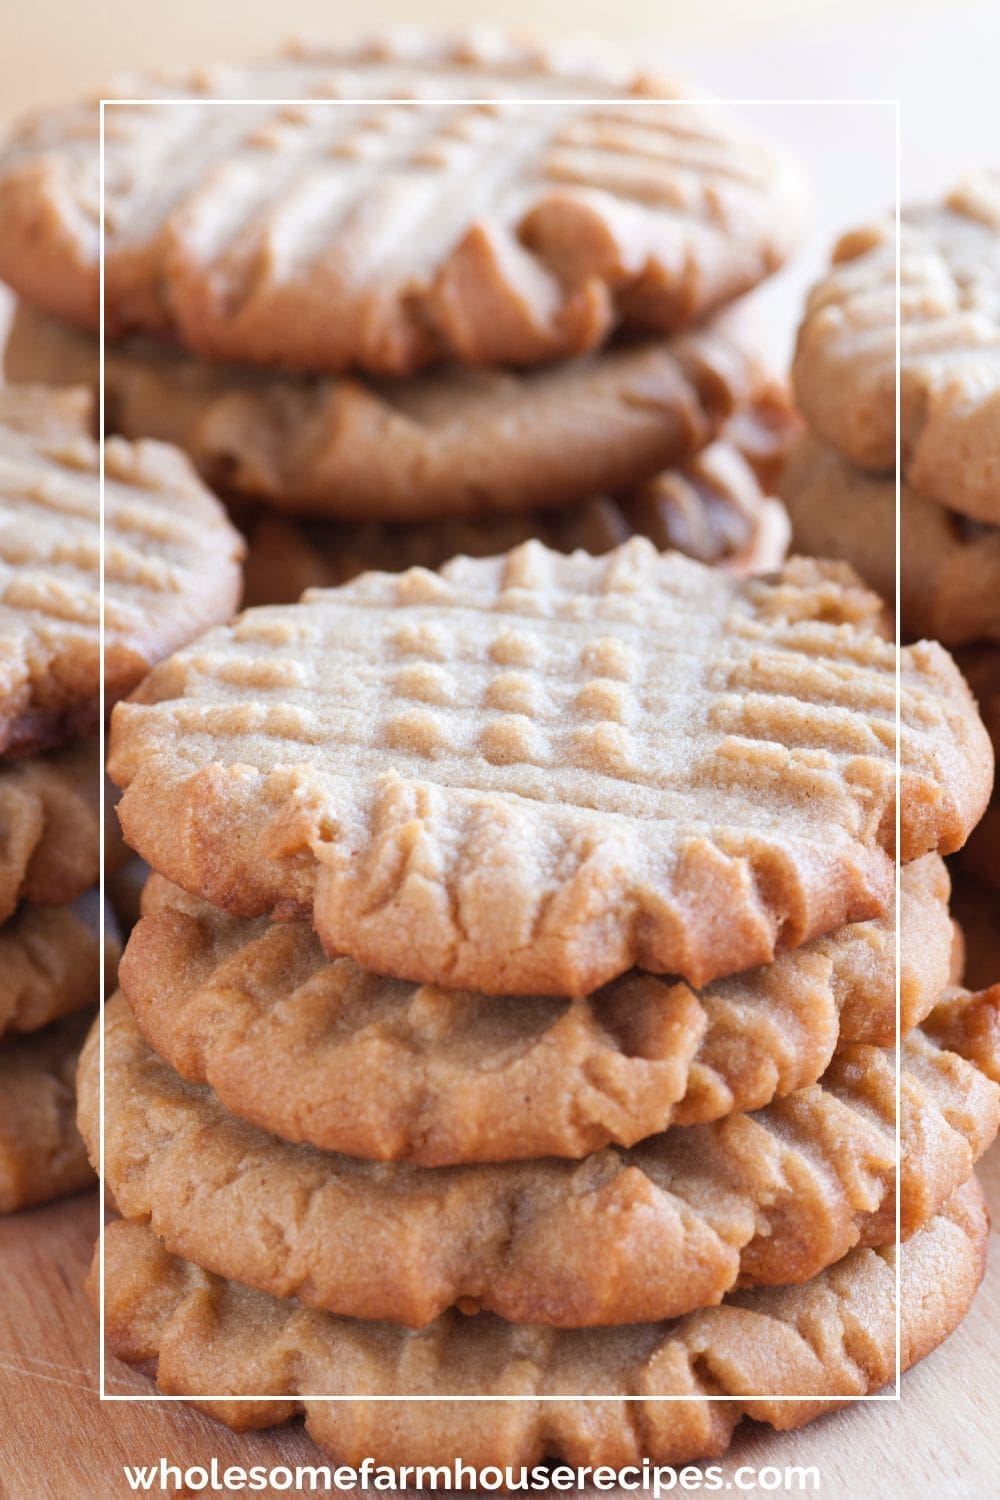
(48, 47)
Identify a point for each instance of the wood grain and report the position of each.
(59, 1442)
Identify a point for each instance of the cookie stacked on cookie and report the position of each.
(840, 482)
(513, 1009)
(171, 569)
(422, 329)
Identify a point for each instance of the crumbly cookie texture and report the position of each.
(322, 236)
(171, 565)
(319, 1050)
(833, 1337)
(972, 1030)
(623, 1236)
(949, 564)
(845, 363)
(50, 962)
(41, 1154)
(530, 773)
(478, 446)
(51, 827)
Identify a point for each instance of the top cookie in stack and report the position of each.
(549, 769)
(503, 307)
(387, 238)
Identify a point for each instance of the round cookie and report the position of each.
(527, 774)
(41, 1154)
(171, 565)
(49, 815)
(624, 1236)
(834, 1337)
(844, 370)
(481, 445)
(949, 565)
(503, 232)
(319, 1050)
(50, 963)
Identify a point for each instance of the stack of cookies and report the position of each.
(390, 334)
(840, 484)
(513, 1010)
(172, 569)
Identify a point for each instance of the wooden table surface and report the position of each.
(59, 1442)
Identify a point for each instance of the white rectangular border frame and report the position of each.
(892, 1395)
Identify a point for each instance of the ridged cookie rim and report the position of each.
(530, 1430)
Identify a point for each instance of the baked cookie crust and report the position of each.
(527, 774)
(325, 236)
